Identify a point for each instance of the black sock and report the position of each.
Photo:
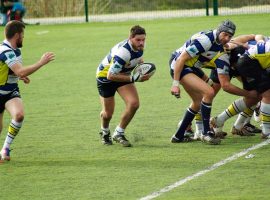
(188, 117)
(206, 112)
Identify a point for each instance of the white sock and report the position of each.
(198, 123)
(240, 121)
(106, 130)
(13, 130)
(198, 126)
(265, 116)
(236, 107)
(120, 130)
(8, 141)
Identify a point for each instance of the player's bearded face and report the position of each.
(224, 37)
(138, 42)
(19, 41)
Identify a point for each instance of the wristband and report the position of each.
(175, 83)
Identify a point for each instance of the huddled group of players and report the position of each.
(246, 57)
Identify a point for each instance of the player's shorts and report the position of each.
(253, 75)
(107, 90)
(186, 70)
(5, 98)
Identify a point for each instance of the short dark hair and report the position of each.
(236, 53)
(137, 30)
(13, 27)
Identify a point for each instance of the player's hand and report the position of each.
(25, 79)
(175, 90)
(140, 78)
(144, 77)
(46, 58)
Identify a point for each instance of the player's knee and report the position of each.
(106, 115)
(134, 105)
(19, 117)
(209, 93)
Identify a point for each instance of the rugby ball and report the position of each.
(145, 68)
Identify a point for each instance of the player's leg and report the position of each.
(190, 113)
(235, 108)
(239, 127)
(265, 114)
(106, 114)
(1, 121)
(13, 106)
(214, 83)
(202, 95)
(106, 95)
(130, 96)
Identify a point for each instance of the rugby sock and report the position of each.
(13, 130)
(265, 117)
(206, 112)
(236, 107)
(188, 117)
(120, 130)
(198, 122)
(105, 130)
(243, 118)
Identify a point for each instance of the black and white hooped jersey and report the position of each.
(8, 57)
(121, 59)
(202, 47)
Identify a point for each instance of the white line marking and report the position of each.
(42, 32)
(200, 173)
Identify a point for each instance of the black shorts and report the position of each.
(253, 75)
(5, 98)
(108, 89)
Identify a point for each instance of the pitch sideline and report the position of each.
(202, 172)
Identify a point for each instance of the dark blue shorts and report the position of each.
(187, 70)
(5, 98)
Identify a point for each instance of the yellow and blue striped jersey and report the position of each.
(122, 58)
(202, 47)
(8, 57)
(261, 52)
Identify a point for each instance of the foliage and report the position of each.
(61, 8)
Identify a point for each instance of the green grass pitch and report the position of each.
(58, 154)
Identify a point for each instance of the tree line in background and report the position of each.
(62, 8)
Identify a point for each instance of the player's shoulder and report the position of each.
(205, 38)
(5, 48)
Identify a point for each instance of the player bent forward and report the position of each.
(114, 75)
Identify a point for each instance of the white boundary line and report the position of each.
(200, 173)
